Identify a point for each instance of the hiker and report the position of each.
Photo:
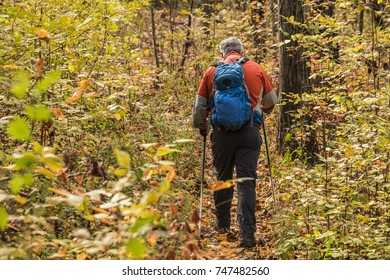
(234, 145)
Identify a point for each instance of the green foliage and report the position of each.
(3, 218)
(85, 113)
(336, 208)
(19, 129)
(38, 113)
(21, 84)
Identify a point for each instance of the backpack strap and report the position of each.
(242, 60)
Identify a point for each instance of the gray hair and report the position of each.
(231, 44)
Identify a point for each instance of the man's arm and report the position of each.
(269, 101)
(199, 112)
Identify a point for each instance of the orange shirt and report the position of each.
(255, 78)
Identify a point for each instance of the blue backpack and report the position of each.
(231, 105)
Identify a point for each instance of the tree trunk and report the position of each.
(273, 12)
(188, 42)
(155, 44)
(361, 21)
(293, 78)
(257, 18)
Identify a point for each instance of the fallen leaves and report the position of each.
(76, 96)
(221, 185)
(57, 112)
(38, 66)
(42, 35)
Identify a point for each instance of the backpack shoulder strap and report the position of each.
(242, 60)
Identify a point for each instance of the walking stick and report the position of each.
(269, 167)
(201, 184)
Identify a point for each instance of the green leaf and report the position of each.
(37, 147)
(3, 218)
(150, 198)
(19, 181)
(287, 137)
(166, 151)
(120, 172)
(136, 247)
(53, 162)
(38, 113)
(142, 225)
(21, 84)
(288, 157)
(19, 129)
(25, 160)
(164, 187)
(123, 158)
(51, 78)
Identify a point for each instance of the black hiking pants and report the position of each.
(239, 149)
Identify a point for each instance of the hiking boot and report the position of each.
(220, 230)
(248, 241)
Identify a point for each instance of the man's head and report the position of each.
(230, 44)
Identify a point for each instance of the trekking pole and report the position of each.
(269, 167)
(201, 184)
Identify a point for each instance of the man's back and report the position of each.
(255, 78)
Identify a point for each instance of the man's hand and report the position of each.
(268, 110)
(204, 130)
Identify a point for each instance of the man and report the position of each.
(236, 148)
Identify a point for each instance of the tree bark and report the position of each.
(155, 44)
(188, 42)
(257, 17)
(293, 78)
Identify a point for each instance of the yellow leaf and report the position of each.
(20, 199)
(41, 33)
(222, 237)
(171, 174)
(166, 167)
(349, 152)
(45, 172)
(84, 84)
(226, 244)
(100, 210)
(298, 134)
(10, 67)
(153, 237)
(59, 191)
(117, 117)
(222, 185)
(82, 256)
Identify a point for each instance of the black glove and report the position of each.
(203, 132)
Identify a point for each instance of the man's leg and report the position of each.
(224, 144)
(246, 164)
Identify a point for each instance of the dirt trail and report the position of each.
(220, 246)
